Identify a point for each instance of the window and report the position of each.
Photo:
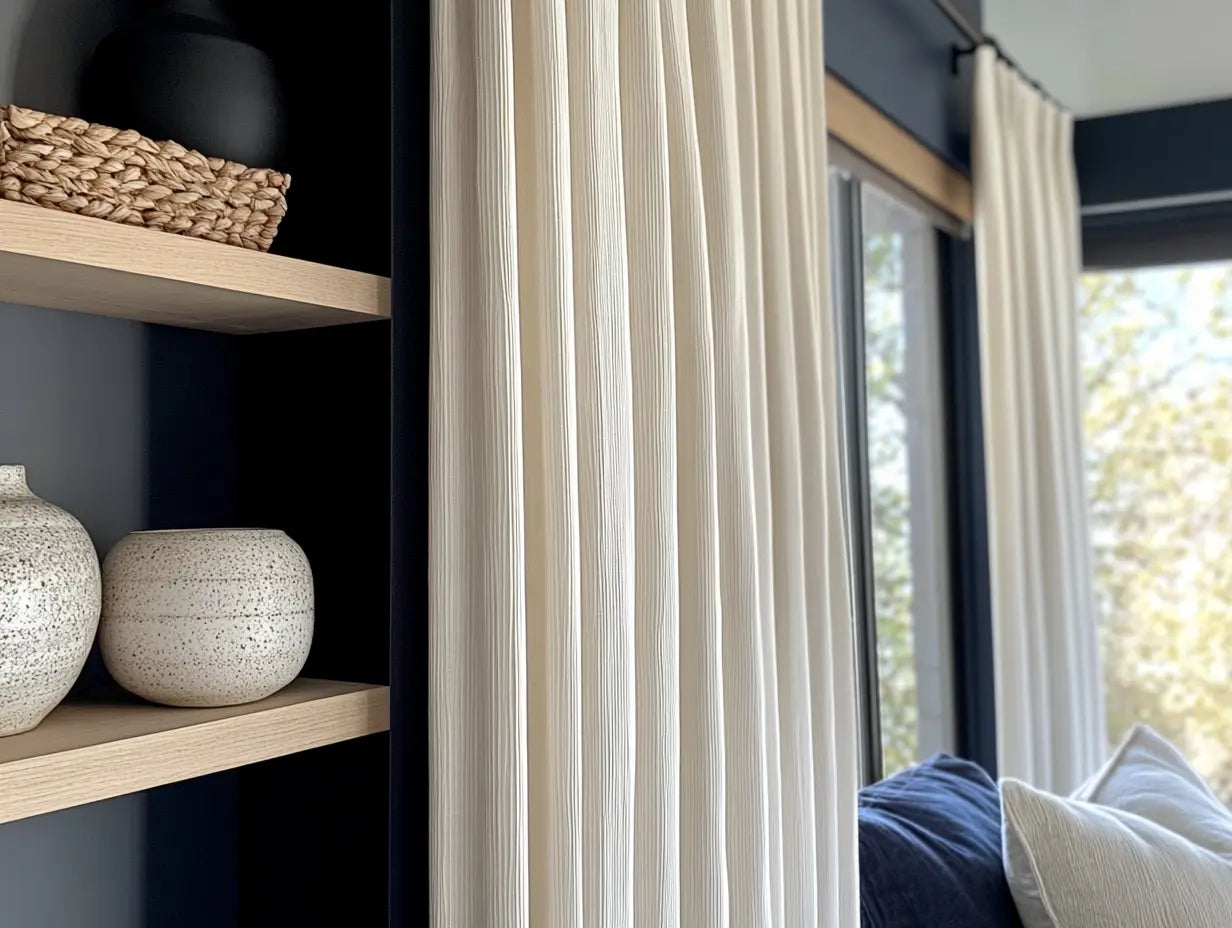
(1156, 348)
(887, 306)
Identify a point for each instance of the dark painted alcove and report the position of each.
(131, 426)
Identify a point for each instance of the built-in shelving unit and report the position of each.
(90, 750)
(118, 811)
(87, 265)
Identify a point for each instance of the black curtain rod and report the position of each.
(977, 37)
(960, 22)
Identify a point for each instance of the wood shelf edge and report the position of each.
(83, 264)
(73, 774)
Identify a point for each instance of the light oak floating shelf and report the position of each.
(86, 751)
(61, 261)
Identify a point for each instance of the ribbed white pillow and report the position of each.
(1149, 777)
(1072, 864)
(1143, 844)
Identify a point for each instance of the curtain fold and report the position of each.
(641, 668)
(1049, 693)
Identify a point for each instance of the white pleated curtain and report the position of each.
(642, 706)
(1050, 713)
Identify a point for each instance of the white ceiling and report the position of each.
(1113, 56)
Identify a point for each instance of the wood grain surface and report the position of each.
(78, 263)
(86, 751)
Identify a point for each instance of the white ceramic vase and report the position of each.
(206, 617)
(49, 603)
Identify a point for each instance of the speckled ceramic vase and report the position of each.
(206, 617)
(49, 603)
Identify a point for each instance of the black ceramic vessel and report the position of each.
(183, 71)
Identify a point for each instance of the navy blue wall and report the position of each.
(1174, 151)
(896, 53)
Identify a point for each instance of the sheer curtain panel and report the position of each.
(641, 673)
(1050, 714)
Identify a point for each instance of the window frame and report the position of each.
(847, 222)
(970, 578)
(964, 517)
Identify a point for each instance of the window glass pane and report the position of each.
(906, 482)
(1157, 363)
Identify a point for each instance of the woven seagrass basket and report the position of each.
(80, 167)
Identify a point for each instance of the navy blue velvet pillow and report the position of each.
(930, 850)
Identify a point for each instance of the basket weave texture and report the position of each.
(80, 167)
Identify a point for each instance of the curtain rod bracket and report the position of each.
(957, 53)
(977, 37)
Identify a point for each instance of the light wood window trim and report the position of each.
(861, 126)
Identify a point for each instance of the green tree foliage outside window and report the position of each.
(889, 491)
(1157, 365)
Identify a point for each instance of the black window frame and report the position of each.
(970, 594)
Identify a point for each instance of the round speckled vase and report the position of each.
(206, 617)
(49, 603)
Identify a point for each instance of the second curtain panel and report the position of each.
(1049, 693)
